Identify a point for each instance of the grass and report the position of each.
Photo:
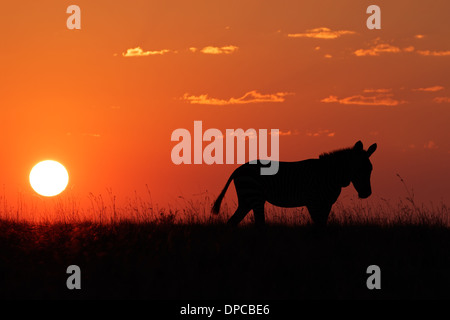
(199, 261)
(142, 251)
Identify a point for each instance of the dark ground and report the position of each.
(166, 261)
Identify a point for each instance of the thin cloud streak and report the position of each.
(321, 133)
(217, 50)
(139, 52)
(430, 89)
(253, 135)
(377, 100)
(381, 48)
(321, 33)
(442, 99)
(284, 133)
(382, 90)
(434, 53)
(249, 97)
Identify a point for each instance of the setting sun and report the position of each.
(49, 178)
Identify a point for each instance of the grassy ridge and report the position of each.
(206, 261)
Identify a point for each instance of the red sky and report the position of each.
(105, 99)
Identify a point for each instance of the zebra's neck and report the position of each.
(338, 172)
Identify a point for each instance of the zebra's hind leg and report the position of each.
(319, 214)
(258, 212)
(238, 215)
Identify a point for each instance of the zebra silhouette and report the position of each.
(314, 183)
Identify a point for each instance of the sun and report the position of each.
(49, 178)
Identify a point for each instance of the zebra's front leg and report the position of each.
(319, 214)
(258, 212)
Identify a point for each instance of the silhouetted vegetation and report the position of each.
(166, 257)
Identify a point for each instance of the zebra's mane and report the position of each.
(338, 155)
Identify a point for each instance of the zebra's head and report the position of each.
(362, 169)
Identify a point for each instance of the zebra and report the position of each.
(314, 183)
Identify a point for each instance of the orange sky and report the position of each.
(105, 99)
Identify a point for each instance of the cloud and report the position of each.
(419, 36)
(381, 48)
(430, 89)
(252, 134)
(382, 99)
(286, 133)
(249, 97)
(321, 33)
(434, 53)
(382, 90)
(321, 133)
(330, 99)
(442, 99)
(216, 50)
(377, 47)
(138, 52)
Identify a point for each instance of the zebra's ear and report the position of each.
(358, 146)
(371, 149)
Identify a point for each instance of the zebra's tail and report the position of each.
(216, 207)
